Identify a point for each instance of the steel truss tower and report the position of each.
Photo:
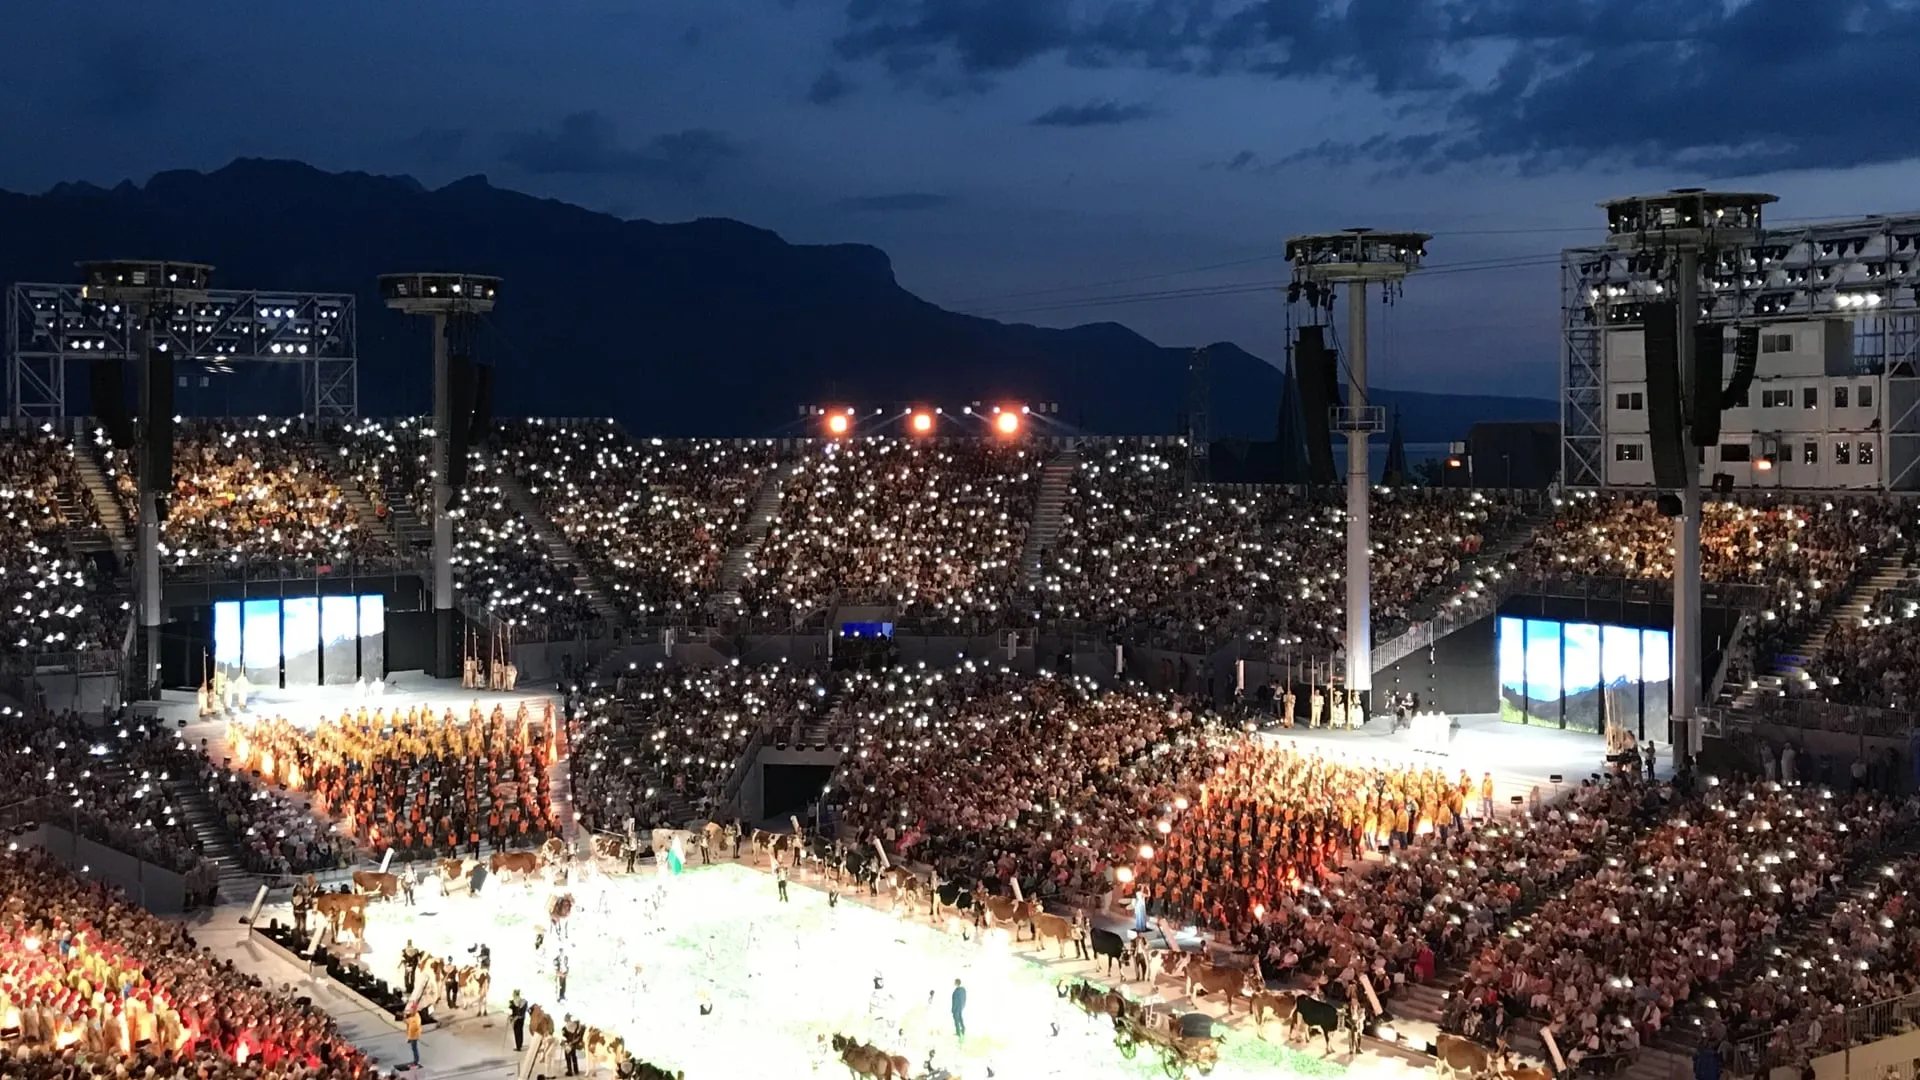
(1866, 270)
(48, 325)
(1356, 259)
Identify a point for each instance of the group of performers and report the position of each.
(479, 673)
(1341, 711)
(221, 695)
(422, 784)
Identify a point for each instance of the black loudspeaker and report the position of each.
(482, 404)
(460, 395)
(1723, 483)
(1315, 366)
(156, 442)
(1746, 360)
(1709, 344)
(107, 383)
(1667, 440)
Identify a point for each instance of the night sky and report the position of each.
(1050, 161)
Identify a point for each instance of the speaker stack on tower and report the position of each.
(1709, 346)
(1666, 436)
(1319, 393)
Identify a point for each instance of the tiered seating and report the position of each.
(1875, 661)
(989, 775)
(662, 747)
(108, 780)
(935, 529)
(653, 519)
(54, 600)
(1671, 915)
(158, 1006)
(1141, 548)
(498, 559)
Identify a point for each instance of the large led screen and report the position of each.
(1583, 676)
(260, 641)
(339, 639)
(1580, 676)
(300, 640)
(226, 635)
(373, 637)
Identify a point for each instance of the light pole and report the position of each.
(1357, 258)
(453, 302)
(1675, 230)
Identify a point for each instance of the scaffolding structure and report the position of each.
(51, 324)
(1864, 270)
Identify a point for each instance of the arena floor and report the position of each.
(781, 979)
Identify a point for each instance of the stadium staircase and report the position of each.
(739, 559)
(1789, 667)
(814, 733)
(1049, 512)
(113, 522)
(559, 551)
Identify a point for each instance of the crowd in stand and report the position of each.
(935, 529)
(1875, 660)
(1865, 951)
(655, 518)
(661, 747)
(274, 834)
(498, 560)
(421, 784)
(1673, 911)
(107, 779)
(56, 601)
(987, 775)
(95, 987)
(256, 492)
(1141, 548)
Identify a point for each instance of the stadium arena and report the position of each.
(948, 741)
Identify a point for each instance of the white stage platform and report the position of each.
(1519, 757)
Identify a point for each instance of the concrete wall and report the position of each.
(160, 891)
(1892, 1057)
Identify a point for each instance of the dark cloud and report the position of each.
(1093, 114)
(1694, 84)
(586, 144)
(830, 87)
(896, 202)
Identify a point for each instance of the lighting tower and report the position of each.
(1356, 259)
(454, 302)
(151, 293)
(1675, 230)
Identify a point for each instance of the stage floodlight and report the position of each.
(922, 423)
(838, 423)
(1008, 423)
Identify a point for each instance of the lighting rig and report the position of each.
(49, 325)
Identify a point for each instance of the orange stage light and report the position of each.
(837, 424)
(922, 423)
(1007, 422)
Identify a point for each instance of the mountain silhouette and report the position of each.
(706, 327)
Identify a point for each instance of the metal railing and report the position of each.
(1756, 1054)
(1860, 720)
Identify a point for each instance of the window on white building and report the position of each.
(1865, 453)
(1628, 451)
(1840, 396)
(1630, 402)
(1774, 343)
(1736, 451)
(1810, 453)
(1865, 396)
(1843, 453)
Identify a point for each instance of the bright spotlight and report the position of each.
(922, 423)
(837, 424)
(1007, 422)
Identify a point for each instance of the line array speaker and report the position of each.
(1668, 442)
(460, 391)
(1318, 396)
(1746, 360)
(156, 431)
(107, 385)
(1709, 347)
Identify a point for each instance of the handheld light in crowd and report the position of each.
(1146, 851)
(1007, 423)
(1123, 874)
